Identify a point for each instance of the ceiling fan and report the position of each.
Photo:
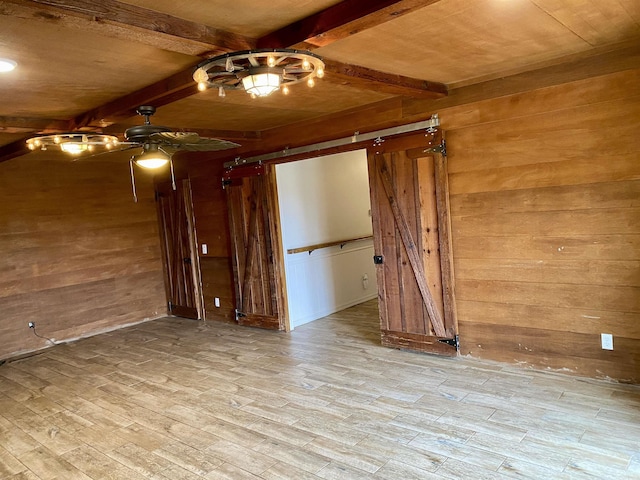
(158, 144)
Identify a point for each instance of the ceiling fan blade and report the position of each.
(122, 146)
(175, 138)
(210, 145)
(190, 141)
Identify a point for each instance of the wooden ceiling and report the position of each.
(86, 64)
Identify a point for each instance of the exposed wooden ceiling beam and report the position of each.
(394, 112)
(13, 150)
(25, 124)
(365, 78)
(142, 19)
(168, 90)
(339, 21)
(336, 22)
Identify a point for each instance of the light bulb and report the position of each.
(305, 64)
(56, 139)
(229, 65)
(311, 82)
(151, 163)
(73, 148)
(202, 86)
(285, 90)
(320, 72)
(271, 61)
(221, 92)
(7, 65)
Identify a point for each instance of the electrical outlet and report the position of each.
(32, 324)
(216, 302)
(205, 249)
(607, 341)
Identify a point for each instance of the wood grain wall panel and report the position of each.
(559, 319)
(217, 281)
(623, 194)
(79, 256)
(580, 272)
(545, 203)
(579, 247)
(621, 299)
(566, 352)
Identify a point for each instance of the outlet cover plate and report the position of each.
(607, 341)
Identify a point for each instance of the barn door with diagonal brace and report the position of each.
(180, 258)
(409, 202)
(255, 240)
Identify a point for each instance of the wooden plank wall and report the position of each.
(78, 255)
(545, 204)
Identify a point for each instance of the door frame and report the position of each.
(438, 147)
(187, 201)
(242, 225)
(444, 339)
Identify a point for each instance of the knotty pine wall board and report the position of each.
(79, 256)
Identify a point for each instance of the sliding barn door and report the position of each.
(179, 249)
(409, 202)
(255, 239)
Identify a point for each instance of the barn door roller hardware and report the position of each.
(442, 148)
(428, 125)
(454, 342)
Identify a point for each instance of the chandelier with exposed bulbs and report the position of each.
(259, 72)
(73, 143)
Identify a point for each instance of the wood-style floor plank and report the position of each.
(180, 399)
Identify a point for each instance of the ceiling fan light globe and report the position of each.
(151, 163)
(152, 157)
(7, 65)
(261, 84)
(73, 148)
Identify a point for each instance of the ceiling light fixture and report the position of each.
(73, 143)
(259, 72)
(7, 65)
(152, 157)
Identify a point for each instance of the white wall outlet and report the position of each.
(204, 249)
(216, 302)
(607, 341)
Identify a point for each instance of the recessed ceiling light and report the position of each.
(7, 65)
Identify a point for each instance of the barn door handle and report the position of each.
(187, 260)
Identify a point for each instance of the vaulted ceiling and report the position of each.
(88, 65)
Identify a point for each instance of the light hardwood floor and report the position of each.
(179, 399)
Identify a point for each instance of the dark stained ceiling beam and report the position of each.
(25, 124)
(365, 78)
(339, 21)
(176, 87)
(336, 22)
(13, 150)
(150, 21)
(396, 111)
